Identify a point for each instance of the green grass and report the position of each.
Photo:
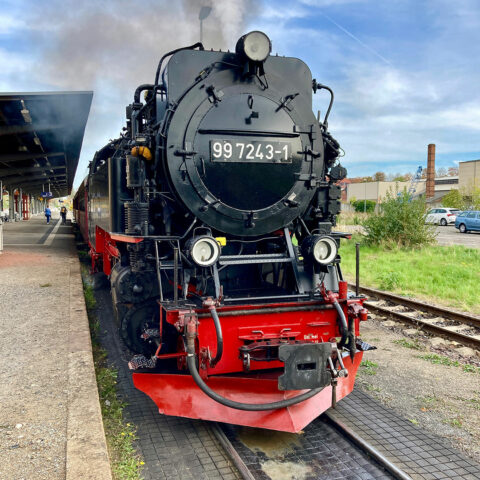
(372, 388)
(475, 403)
(414, 345)
(430, 402)
(90, 301)
(444, 275)
(44, 285)
(441, 360)
(126, 463)
(454, 422)
(368, 367)
(470, 368)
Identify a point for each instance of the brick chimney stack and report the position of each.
(430, 189)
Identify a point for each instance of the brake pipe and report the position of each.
(210, 303)
(332, 298)
(251, 407)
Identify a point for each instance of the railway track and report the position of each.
(375, 456)
(461, 327)
(320, 449)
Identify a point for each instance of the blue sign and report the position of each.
(47, 195)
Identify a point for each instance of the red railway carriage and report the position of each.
(212, 215)
(80, 211)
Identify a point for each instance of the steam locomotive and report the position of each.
(212, 215)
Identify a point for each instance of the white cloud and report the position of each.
(15, 66)
(9, 23)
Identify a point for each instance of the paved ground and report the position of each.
(418, 453)
(50, 423)
(449, 235)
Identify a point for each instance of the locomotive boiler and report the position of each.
(212, 215)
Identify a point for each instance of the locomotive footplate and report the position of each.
(305, 366)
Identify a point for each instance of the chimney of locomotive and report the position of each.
(430, 188)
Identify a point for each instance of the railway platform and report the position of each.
(50, 419)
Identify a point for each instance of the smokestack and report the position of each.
(430, 190)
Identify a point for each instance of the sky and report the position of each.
(405, 73)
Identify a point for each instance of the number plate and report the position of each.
(250, 152)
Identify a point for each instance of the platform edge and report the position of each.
(86, 450)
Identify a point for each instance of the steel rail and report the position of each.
(425, 324)
(231, 452)
(366, 447)
(429, 327)
(467, 318)
(246, 474)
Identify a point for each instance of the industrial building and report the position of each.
(434, 188)
(469, 174)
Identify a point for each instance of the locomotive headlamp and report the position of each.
(323, 249)
(256, 46)
(204, 251)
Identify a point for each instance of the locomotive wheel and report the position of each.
(137, 319)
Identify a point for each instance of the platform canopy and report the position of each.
(41, 135)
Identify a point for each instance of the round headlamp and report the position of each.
(320, 248)
(256, 46)
(204, 251)
(325, 250)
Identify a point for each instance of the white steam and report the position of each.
(117, 44)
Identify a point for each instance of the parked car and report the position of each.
(469, 220)
(442, 216)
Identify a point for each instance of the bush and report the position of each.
(401, 222)
(363, 205)
(454, 199)
(465, 199)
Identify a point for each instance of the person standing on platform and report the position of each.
(63, 213)
(48, 214)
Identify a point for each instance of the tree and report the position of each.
(454, 199)
(471, 197)
(441, 172)
(379, 177)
